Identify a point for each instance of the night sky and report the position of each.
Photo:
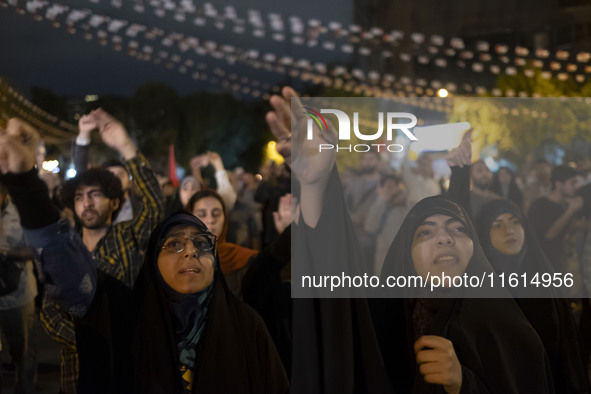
(33, 53)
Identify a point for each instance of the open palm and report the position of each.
(289, 124)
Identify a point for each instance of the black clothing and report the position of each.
(496, 346)
(129, 342)
(542, 215)
(334, 345)
(550, 316)
(266, 290)
(268, 194)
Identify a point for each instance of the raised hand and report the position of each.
(113, 134)
(461, 155)
(86, 124)
(282, 217)
(310, 165)
(18, 147)
(438, 362)
(215, 160)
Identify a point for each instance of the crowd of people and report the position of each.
(154, 289)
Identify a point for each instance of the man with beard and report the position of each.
(80, 156)
(482, 179)
(96, 196)
(549, 216)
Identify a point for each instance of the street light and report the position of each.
(442, 93)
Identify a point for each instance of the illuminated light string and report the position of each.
(235, 85)
(305, 76)
(479, 51)
(208, 49)
(115, 25)
(75, 17)
(17, 97)
(435, 104)
(134, 50)
(477, 65)
(13, 110)
(373, 90)
(200, 75)
(418, 39)
(15, 101)
(310, 76)
(242, 85)
(271, 62)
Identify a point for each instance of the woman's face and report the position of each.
(441, 245)
(504, 177)
(210, 211)
(190, 270)
(187, 190)
(507, 234)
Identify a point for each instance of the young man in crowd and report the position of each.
(549, 216)
(96, 196)
(482, 179)
(81, 151)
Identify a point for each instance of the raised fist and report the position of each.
(86, 124)
(18, 147)
(113, 133)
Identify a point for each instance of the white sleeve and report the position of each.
(225, 189)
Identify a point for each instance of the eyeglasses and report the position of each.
(201, 242)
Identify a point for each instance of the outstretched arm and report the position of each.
(225, 188)
(309, 166)
(68, 269)
(459, 160)
(80, 149)
(114, 135)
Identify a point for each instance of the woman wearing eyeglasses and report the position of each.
(180, 330)
(256, 277)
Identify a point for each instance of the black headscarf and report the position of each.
(497, 348)
(531, 259)
(234, 354)
(334, 344)
(548, 312)
(399, 260)
(188, 311)
(133, 343)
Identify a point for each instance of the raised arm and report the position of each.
(81, 147)
(459, 160)
(309, 166)
(67, 267)
(114, 135)
(225, 188)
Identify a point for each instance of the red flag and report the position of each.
(174, 180)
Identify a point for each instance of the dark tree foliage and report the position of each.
(156, 117)
(235, 129)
